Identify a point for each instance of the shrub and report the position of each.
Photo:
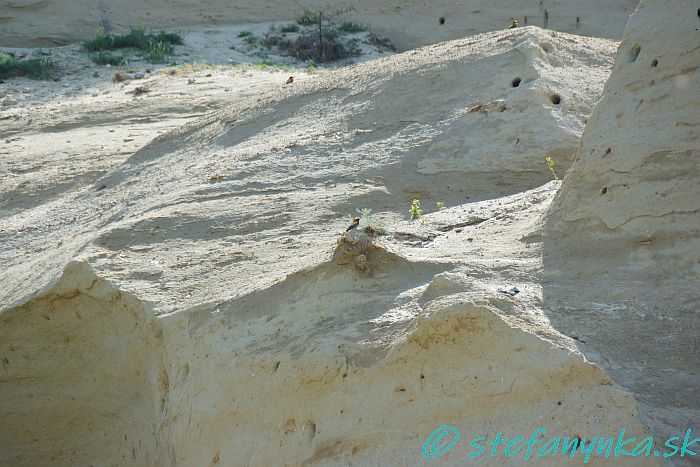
(370, 225)
(415, 211)
(158, 52)
(290, 28)
(37, 68)
(349, 27)
(105, 58)
(309, 18)
(157, 46)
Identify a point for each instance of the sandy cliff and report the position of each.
(623, 230)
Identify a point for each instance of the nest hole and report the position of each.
(555, 98)
(654, 63)
(516, 82)
(442, 21)
(634, 52)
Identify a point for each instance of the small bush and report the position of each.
(250, 39)
(105, 58)
(37, 68)
(290, 28)
(158, 52)
(382, 43)
(370, 225)
(157, 46)
(327, 48)
(415, 211)
(309, 18)
(349, 27)
(243, 34)
(275, 40)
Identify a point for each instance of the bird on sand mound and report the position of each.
(290, 80)
(354, 224)
(514, 24)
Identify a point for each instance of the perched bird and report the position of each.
(442, 21)
(290, 80)
(513, 24)
(354, 224)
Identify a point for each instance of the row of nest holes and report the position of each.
(634, 54)
(554, 97)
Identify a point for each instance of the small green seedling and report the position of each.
(550, 164)
(440, 205)
(415, 210)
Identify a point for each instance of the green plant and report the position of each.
(550, 164)
(38, 68)
(243, 34)
(250, 39)
(440, 205)
(106, 58)
(158, 51)
(137, 38)
(309, 18)
(348, 27)
(415, 211)
(371, 225)
(290, 28)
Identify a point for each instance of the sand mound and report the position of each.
(325, 366)
(624, 228)
(285, 168)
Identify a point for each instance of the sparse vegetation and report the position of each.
(158, 51)
(348, 27)
(415, 211)
(309, 18)
(156, 46)
(550, 164)
(106, 58)
(440, 205)
(289, 28)
(36, 68)
(369, 224)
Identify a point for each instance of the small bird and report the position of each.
(290, 80)
(513, 24)
(354, 224)
(442, 21)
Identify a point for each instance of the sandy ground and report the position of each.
(63, 135)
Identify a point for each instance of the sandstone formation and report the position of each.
(623, 231)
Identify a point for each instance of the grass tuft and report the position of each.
(308, 18)
(348, 27)
(289, 28)
(37, 68)
(106, 58)
(157, 46)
